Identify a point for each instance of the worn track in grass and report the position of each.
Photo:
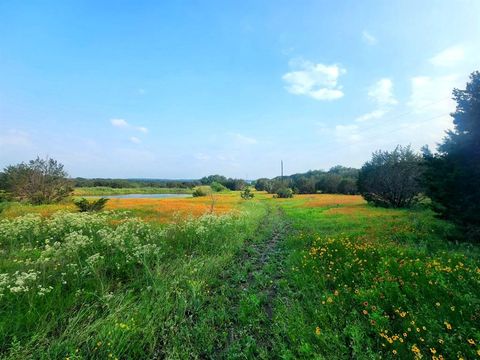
(253, 285)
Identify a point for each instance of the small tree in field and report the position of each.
(40, 181)
(247, 194)
(391, 179)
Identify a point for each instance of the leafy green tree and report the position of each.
(453, 174)
(284, 193)
(348, 186)
(40, 181)
(217, 187)
(247, 194)
(392, 179)
(207, 180)
(263, 184)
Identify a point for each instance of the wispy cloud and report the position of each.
(122, 123)
(449, 57)
(317, 81)
(375, 114)
(432, 93)
(135, 140)
(369, 38)
(381, 94)
(244, 140)
(15, 137)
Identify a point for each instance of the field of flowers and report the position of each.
(316, 276)
(106, 285)
(378, 283)
(152, 210)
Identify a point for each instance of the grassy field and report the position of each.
(316, 276)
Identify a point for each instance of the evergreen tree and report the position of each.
(453, 174)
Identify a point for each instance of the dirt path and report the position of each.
(254, 284)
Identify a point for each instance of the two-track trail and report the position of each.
(247, 292)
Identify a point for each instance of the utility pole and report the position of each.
(281, 167)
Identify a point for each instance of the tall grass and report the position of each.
(104, 285)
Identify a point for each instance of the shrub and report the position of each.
(247, 194)
(284, 193)
(391, 179)
(200, 191)
(217, 187)
(90, 206)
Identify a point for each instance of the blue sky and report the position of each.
(183, 89)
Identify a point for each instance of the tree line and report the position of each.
(337, 180)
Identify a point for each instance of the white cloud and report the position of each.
(382, 92)
(317, 81)
(449, 57)
(375, 114)
(368, 38)
(348, 134)
(135, 140)
(244, 140)
(433, 93)
(119, 123)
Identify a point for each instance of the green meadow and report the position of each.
(317, 276)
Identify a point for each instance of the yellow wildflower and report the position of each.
(317, 331)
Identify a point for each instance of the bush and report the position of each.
(84, 205)
(217, 187)
(284, 193)
(200, 191)
(247, 194)
(392, 179)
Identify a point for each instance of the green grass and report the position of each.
(283, 279)
(103, 190)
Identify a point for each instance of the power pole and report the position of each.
(281, 167)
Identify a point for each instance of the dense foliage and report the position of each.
(284, 193)
(453, 174)
(85, 205)
(392, 179)
(201, 191)
(134, 183)
(247, 194)
(337, 180)
(40, 181)
(229, 183)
